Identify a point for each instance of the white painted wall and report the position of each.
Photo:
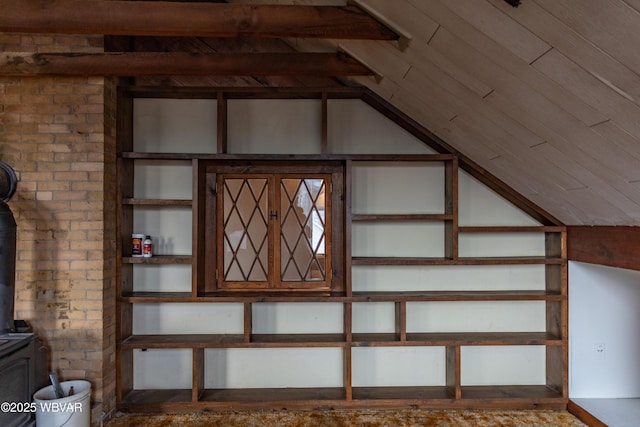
(273, 367)
(447, 278)
(480, 206)
(274, 126)
(298, 318)
(476, 316)
(175, 125)
(270, 126)
(375, 188)
(162, 179)
(398, 366)
(604, 314)
(517, 365)
(356, 128)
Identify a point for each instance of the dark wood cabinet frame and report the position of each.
(553, 394)
(207, 219)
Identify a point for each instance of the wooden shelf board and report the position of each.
(529, 392)
(459, 261)
(184, 341)
(338, 340)
(485, 397)
(529, 295)
(159, 259)
(142, 397)
(299, 340)
(288, 157)
(272, 394)
(234, 92)
(393, 393)
(358, 297)
(157, 202)
(511, 229)
(401, 217)
(274, 296)
(233, 341)
(456, 338)
(137, 297)
(147, 297)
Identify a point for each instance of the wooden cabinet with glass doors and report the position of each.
(277, 228)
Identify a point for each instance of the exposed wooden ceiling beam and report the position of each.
(612, 246)
(162, 18)
(134, 64)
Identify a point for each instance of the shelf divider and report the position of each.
(453, 371)
(248, 321)
(451, 208)
(348, 373)
(197, 386)
(401, 320)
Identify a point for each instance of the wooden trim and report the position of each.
(272, 295)
(459, 261)
(124, 376)
(222, 122)
(324, 125)
(611, 246)
(512, 229)
(453, 377)
(584, 415)
(287, 157)
(348, 355)
(248, 322)
(556, 374)
(161, 18)
(210, 256)
(348, 223)
(251, 92)
(159, 259)
(401, 321)
(174, 401)
(156, 202)
(418, 339)
(452, 229)
(197, 387)
(348, 321)
(338, 245)
(401, 217)
(198, 220)
(139, 64)
(348, 374)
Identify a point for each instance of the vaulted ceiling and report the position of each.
(546, 95)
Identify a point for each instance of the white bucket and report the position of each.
(70, 411)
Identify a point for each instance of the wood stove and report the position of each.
(22, 357)
(22, 372)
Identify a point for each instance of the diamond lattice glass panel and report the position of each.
(302, 230)
(245, 229)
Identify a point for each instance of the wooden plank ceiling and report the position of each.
(545, 96)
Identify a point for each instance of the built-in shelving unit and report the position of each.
(452, 346)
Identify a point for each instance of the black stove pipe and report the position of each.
(7, 267)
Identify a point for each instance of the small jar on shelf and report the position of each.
(147, 247)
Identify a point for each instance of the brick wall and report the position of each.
(52, 131)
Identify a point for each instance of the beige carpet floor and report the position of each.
(352, 418)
